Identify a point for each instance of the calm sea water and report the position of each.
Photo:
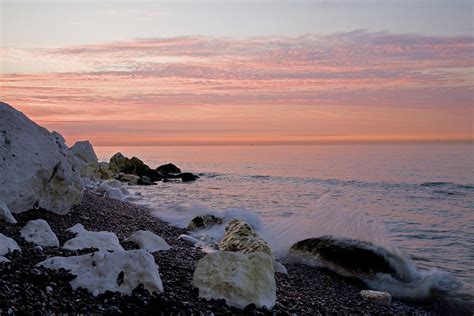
(418, 198)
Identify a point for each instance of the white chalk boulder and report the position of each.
(89, 239)
(102, 271)
(36, 167)
(39, 233)
(85, 151)
(148, 241)
(115, 193)
(241, 279)
(5, 214)
(7, 245)
(381, 298)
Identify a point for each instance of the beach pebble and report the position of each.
(381, 298)
(38, 232)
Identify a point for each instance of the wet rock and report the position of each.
(241, 237)
(187, 177)
(119, 163)
(168, 169)
(204, 221)
(349, 257)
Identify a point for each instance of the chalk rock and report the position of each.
(240, 279)
(203, 222)
(7, 245)
(114, 193)
(381, 298)
(279, 267)
(39, 233)
(102, 271)
(105, 172)
(85, 151)
(89, 239)
(5, 214)
(241, 237)
(87, 170)
(3, 259)
(148, 241)
(36, 167)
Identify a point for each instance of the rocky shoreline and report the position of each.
(25, 288)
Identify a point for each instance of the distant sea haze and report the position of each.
(415, 198)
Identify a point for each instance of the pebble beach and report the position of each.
(26, 289)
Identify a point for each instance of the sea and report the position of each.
(416, 199)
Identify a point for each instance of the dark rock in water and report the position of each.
(167, 169)
(119, 163)
(188, 176)
(144, 180)
(349, 257)
(205, 221)
(141, 169)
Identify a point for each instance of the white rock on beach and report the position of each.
(38, 232)
(5, 214)
(36, 167)
(7, 245)
(90, 239)
(85, 151)
(3, 259)
(107, 184)
(240, 279)
(381, 298)
(189, 239)
(148, 241)
(115, 193)
(102, 271)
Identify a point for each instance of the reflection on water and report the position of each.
(419, 197)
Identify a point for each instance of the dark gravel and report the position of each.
(25, 289)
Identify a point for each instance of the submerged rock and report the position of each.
(130, 178)
(168, 169)
(241, 237)
(187, 177)
(89, 239)
(349, 257)
(149, 241)
(102, 271)
(38, 232)
(204, 221)
(37, 170)
(5, 214)
(240, 279)
(381, 298)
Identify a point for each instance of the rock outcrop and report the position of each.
(36, 167)
(102, 271)
(5, 214)
(204, 221)
(89, 239)
(149, 241)
(241, 237)
(240, 279)
(38, 232)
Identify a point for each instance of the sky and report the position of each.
(241, 72)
